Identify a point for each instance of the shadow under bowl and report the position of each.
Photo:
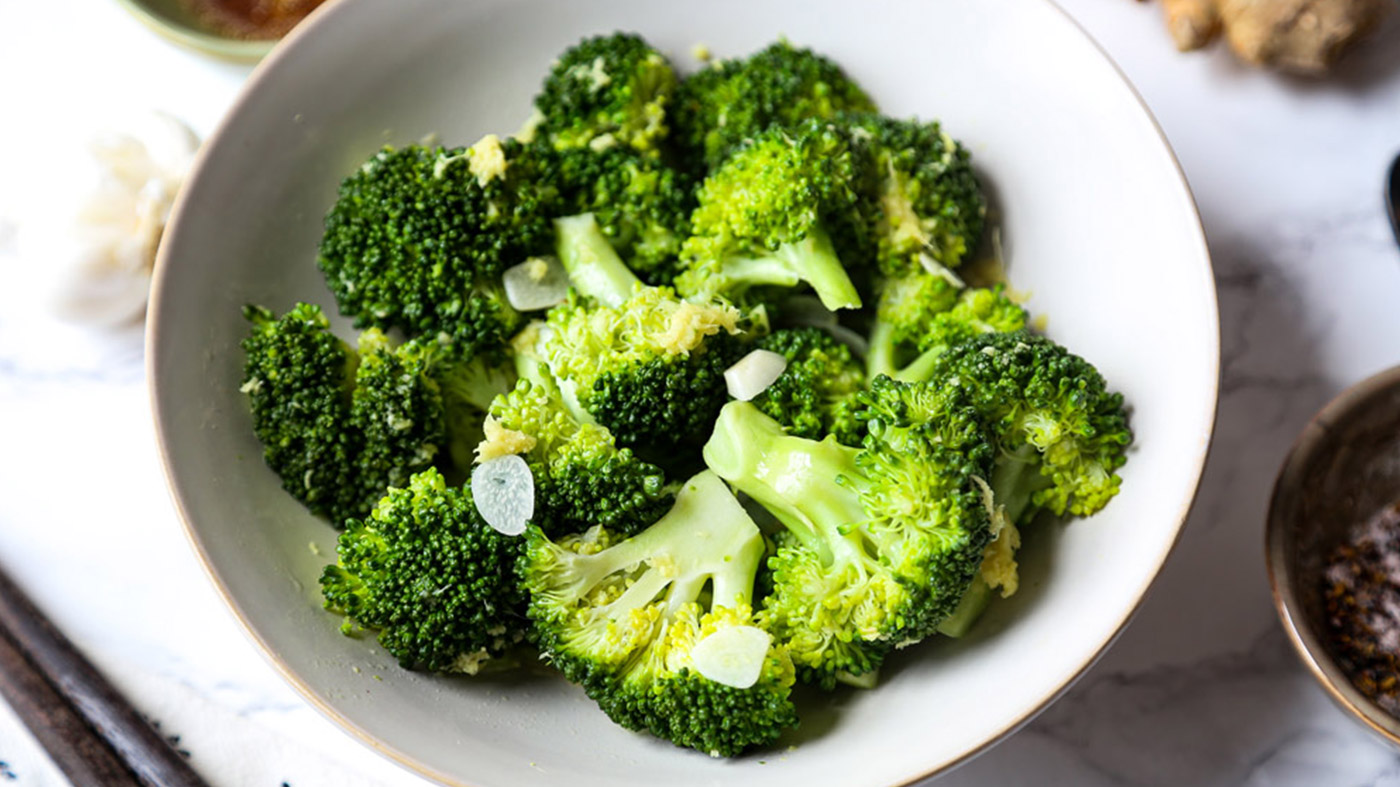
(1344, 467)
(175, 21)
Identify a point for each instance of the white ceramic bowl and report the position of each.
(1097, 221)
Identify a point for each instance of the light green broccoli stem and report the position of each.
(593, 265)
(879, 358)
(795, 479)
(812, 259)
(1015, 480)
(706, 537)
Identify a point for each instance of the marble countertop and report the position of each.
(1201, 689)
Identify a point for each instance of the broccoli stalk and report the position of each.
(882, 541)
(593, 265)
(626, 620)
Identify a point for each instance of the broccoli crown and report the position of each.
(397, 407)
(582, 479)
(624, 619)
(882, 541)
(815, 394)
(377, 414)
(928, 205)
(299, 377)
(765, 218)
(419, 237)
(605, 91)
(641, 205)
(651, 369)
(920, 316)
(720, 107)
(436, 582)
(1050, 411)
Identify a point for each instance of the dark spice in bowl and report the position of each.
(251, 19)
(1362, 591)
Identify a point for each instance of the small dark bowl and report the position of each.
(1343, 468)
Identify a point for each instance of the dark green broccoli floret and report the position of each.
(642, 206)
(721, 106)
(927, 207)
(764, 219)
(639, 360)
(816, 394)
(419, 237)
(920, 316)
(582, 478)
(340, 426)
(880, 542)
(1060, 435)
(605, 91)
(431, 577)
(642, 623)
(299, 377)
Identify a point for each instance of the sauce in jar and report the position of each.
(251, 19)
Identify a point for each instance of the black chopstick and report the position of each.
(86, 697)
(73, 746)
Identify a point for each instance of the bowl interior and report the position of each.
(1344, 468)
(1096, 220)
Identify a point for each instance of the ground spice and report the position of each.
(1362, 592)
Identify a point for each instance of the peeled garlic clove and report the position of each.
(753, 373)
(504, 491)
(537, 283)
(732, 656)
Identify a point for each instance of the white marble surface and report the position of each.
(1200, 690)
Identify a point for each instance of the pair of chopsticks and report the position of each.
(88, 729)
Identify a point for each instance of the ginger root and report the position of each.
(1300, 36)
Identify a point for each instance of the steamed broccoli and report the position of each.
(641, 205)
(767, 217)
(431, 577)
(1059, 434)
(927, 206)
(606, 91)
(419, 237)
(378, 414)
(628, 619)
(299, 378)
(722, 106)
(880, 542)
(639, 360)
(816, 394)
(920, 316)
(582, 478)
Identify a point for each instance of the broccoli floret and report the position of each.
(764, 219)
(816, 394)
(582, 479)
(377, 414)
(1060, 435)
(639, 360)
(642, 206)
(920, 316)
(299, 378)
(605, 91)
(625, 619)
(419, 238)
(928, 206)
(723, 105)
(880, 542)
(431, 577)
